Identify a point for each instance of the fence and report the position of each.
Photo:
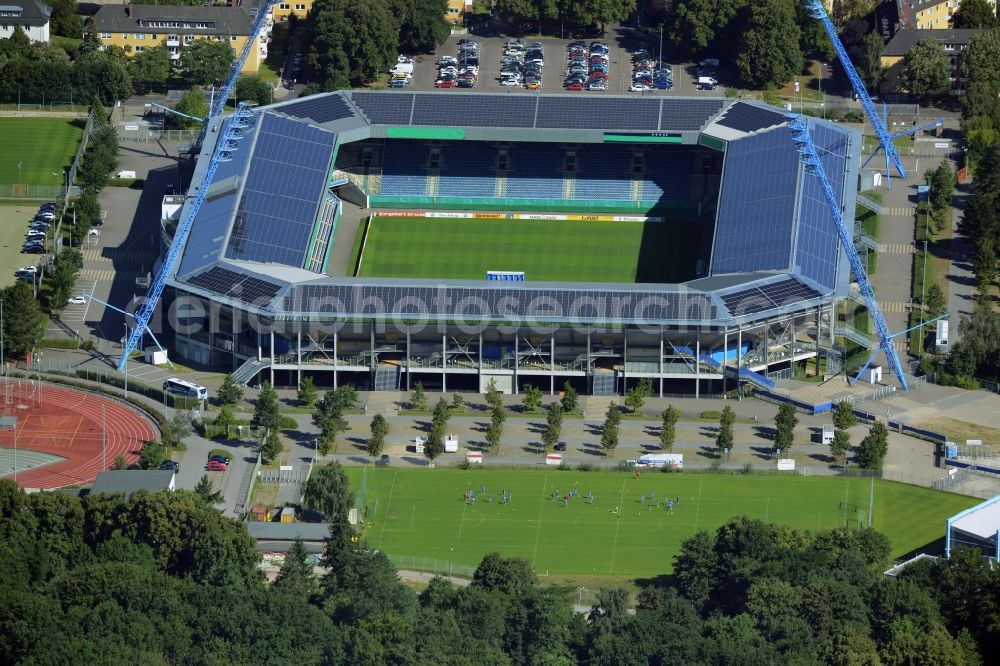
(432, 565)
(34, 192)
(284, 476)
(142, 134)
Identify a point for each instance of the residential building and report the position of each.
(929, 14)
(32, 16)
(128, 481)
(300, 8)
(455, 13)
(953, 42)
(135, 28)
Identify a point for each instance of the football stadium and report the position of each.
(387, 238)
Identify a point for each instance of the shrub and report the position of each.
(586, 467)
(711, 415)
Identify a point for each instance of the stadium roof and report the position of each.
(258, 241)
(981, 521)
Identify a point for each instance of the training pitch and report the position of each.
(44, 147)
(545, 250)
(421, 514)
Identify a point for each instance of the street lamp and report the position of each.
(124, 346)
(923, 279)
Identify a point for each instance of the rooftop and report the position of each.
(132, 480)
(982, 520)
(904, 40)
(24, 12)
(210, 20)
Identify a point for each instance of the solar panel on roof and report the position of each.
(687, 114)
(237, 285)
(497, 304)
(788, 291)
(763, 297)
(749, 118)
(285, 183)
(475, 110)
(597, 113)
(746, 302)
(321, 108)
(385, 108)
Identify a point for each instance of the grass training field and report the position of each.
(44, 146)
(421, 514)
(548, 250)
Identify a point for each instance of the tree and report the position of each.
(328, 492)
(840, 445)
(724, 438)
(509, 575)
(698, 25)
(66, 21)
(23, 322)
(229, 392)
(423, 26)
(379, 428)
(265, 409)
(873, 448)
(252, 88)
(149, 67)
(328, 416)
(493, 395)
(553, 425)
(174, 431)
(307, 392)
(434, 446)
(668, 431)
(569, 399)
(103, 75)
(418, 400)
(205, 61)
(984, 264)
(457, 404)
(205, 489)
(192, 103)
(609, 432)
(349, 43)
(936, 303)
(974, 14)
(225, 419)
(271, 447)
(152, 455)
(532, 399)
(942, 184)
(784, 427)
(120, 462)
(926, 70)
(296, 574)
(610, 614)
(870, 59)
(636, 396)
(843, 416)
(769, 49)
(494, 432)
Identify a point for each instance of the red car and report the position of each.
(447, 83)
(216, 466)
(576, 85)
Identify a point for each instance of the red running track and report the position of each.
(68, 423)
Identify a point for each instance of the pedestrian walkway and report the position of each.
(385, 403)
(897, 211)
(896, 248)
(894, 306)
(108, 274)
(110, 254)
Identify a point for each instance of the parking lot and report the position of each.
(620, 45)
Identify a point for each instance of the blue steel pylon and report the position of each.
(810, 159)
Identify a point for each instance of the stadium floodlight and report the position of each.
(814, 166)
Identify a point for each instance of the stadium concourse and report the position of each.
(711, 186)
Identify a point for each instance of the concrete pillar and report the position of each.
(479, 373)
(298, 353)
(661, 362)
(587, 372)
(271, 364)
(697, 365)
(336, 350)
(725, 355)
(517, 362)
(552, 364)
(409, 368)
(624, 362)
(444, 363)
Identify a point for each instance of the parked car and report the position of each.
(576, 85)
(171, 465)
(77, 300)
(221, 458)
(33, 249)
(444, 83)
(640, 87)
(446, 60)
(216, 466)
(561, 446)
(383, 461)
(28, 269)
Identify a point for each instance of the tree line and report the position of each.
(164, 577)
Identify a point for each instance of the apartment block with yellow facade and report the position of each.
(135, 28)
(930, 14)
(282, 10)
(455, 13)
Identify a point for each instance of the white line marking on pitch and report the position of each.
(697, 508)
(538, 531)
(387, 503)
(618, 526)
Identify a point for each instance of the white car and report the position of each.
(28, 269)
(639, 87)
(511, 81)
(93, 232)
(77, 300)
(448, 70)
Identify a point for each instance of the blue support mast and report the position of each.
(167, 109)
(817, 11)
(810, 159)
(242, 119)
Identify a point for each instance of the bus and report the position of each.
(187, 389)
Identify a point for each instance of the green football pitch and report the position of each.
(44, 147)
(420, 514)
(546, 250)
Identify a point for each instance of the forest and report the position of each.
(166, 578)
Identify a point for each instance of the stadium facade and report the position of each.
(255, 293)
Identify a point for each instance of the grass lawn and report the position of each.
(421, 513)
(568, 250)
(43, 146)
(13, 226)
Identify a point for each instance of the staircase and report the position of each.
(867, 242)
(748, 375)
(869, 203)
(248, 371)
(854, 335)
